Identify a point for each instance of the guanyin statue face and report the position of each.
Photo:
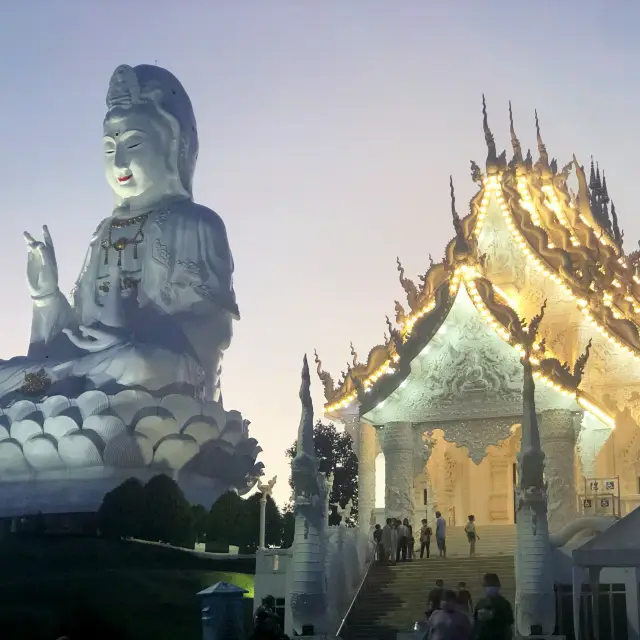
(135, 154)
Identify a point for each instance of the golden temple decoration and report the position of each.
(515, 143)
(494, 162)
(560, 237)
(354, 355)
(542, 150)
(35, 384)
(325, 377)
(413, 297)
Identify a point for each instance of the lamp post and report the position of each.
(265, 490)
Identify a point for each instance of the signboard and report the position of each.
(602, 485)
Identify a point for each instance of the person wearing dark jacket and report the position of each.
(493, 616)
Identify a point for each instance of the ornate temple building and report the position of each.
(442, 397)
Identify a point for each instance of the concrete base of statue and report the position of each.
(61, 455)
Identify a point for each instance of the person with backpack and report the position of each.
(472, 535)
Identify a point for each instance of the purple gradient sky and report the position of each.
(328, 132)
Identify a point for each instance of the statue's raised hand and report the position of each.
(42, 267)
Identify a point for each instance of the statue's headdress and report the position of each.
(124, 88)
(148, 84)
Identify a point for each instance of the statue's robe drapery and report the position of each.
(178, 311)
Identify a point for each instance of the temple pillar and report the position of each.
(398, 447)
(558, 435)
(367, 452)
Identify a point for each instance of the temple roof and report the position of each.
(571, 240)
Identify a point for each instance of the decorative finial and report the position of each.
(401, 314)
(305, 430)
(515, 143)
(457, 225)
(593, 183)
(430, 261)
(476, 173)
(413, 296)
(604, 192)
(389, 326)
(354, 355)
(325, 378)
(581, 362)
(542, 150)
(492, 156)
(617, 234)
(534, 325)
(400, 268)
(528, 161)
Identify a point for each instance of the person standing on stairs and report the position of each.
(472, 536)
(403, 536)
(410, 539)
(377, 542)
(390, 541)
(425, 538)
(441, 535)
(464, 598)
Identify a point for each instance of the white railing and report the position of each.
(359, 589)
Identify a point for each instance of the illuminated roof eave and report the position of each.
(402, 369)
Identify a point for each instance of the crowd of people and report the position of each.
(450, 614)
(395, 542)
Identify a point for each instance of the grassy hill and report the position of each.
(145, 590)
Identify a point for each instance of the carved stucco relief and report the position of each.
(398, 446)
(468, 370)
(475, 435)
(558, 435)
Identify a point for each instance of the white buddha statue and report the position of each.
(154, 302)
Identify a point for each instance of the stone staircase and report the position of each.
(495, 540)
(393, 598)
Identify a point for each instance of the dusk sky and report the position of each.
(328, 130)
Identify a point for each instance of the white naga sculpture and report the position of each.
(149, 317)
(308, 579)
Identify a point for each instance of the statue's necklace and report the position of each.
(122, 243)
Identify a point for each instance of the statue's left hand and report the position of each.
(94, 339)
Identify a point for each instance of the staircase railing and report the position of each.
(358, 590)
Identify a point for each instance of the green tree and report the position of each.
(225, 523)
(273, 523)
(200, 521)
(121, 512)
(335, 453)
(167, 514)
